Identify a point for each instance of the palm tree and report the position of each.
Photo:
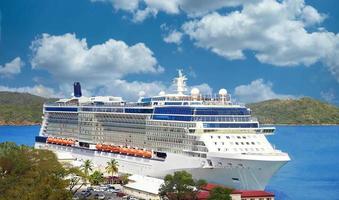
(112, 167)
(86, 167)
(96, 178)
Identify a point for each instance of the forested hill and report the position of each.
(24, 108)
(295, 111)
(20, 108)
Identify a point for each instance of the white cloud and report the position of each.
(38, 90)
(129, 5)
(100, 68)
(329, 96)
(132, 90)
(174, 37)
(141, 9)
(257, 91)
(141, 15)
(204, 89)
(11, 68)
(275, 31)
(70, 59)
(278, 32)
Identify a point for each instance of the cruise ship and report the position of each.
(206, 135)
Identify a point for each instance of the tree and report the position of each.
(96, 178)
(220, 193)
(112, 167)
(124, 179)
(31, 173)
(87, 166)
(180, 186)
(74, 176)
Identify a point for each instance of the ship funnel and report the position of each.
(77, 89)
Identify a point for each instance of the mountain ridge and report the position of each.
(304, 110)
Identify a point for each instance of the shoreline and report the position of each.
(18, 124)
(299, 124)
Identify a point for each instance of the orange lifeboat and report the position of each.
(49, 140)
(62, 142)
(139, 153)
(124, 150)
(148, 154)
(133, 152)
(69, 142)
(129, 151)
(98, 147)
(115, 149)
(110, 147)
(56, 141)
(105, 147)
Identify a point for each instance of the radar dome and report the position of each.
(195, 92)
(222, 92)
(162, 93)
(141, 93)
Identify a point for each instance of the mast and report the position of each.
(180, 81)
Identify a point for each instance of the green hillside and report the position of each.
(295, 111)
(20, 108)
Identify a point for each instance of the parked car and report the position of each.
(120, 194)
(113, 190)
(86, 193)
(99, 196)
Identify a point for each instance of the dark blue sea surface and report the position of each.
(313, 172)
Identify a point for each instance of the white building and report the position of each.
(143, 187)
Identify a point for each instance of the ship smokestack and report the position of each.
(77, 89)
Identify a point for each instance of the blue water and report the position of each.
(313, 172)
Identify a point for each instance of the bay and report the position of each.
(312, 173)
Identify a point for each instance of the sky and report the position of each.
(256, 49)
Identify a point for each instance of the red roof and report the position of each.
(203, 195)
(211, 186)
(253, 193)
(204, 192)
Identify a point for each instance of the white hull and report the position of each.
(241, 172)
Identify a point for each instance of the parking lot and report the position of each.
(106, 192)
